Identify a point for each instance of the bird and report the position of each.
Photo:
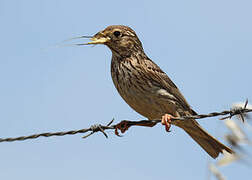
(147, 89)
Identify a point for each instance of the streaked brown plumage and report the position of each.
(146, 88)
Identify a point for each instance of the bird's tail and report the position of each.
(211, 145)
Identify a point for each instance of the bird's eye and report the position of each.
(117, 33)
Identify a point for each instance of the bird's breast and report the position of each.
(137, 89)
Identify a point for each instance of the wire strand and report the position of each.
(101, 128)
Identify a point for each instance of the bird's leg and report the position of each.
(125, 125)
(166, 120)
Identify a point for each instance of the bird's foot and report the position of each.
(166, 120)
(122, 126)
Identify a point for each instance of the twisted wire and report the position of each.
(101, 128)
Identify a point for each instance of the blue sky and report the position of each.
(204, 46)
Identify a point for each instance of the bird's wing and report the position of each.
(161, 79)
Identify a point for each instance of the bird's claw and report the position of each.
(166, 120)
(122, 126)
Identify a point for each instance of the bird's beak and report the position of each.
(99, 38)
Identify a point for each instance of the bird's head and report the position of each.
(122, 40)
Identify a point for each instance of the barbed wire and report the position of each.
(125, 124)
